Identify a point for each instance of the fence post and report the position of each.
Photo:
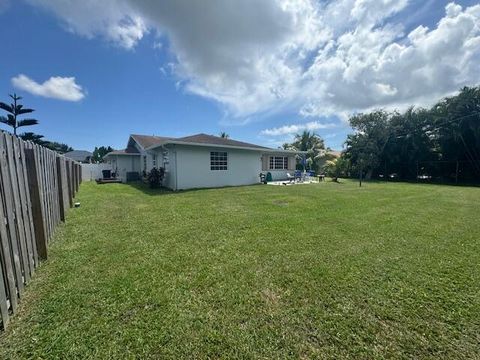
(72, 179)
(77, 180)
(38, 211)
(61, 201)
(456, 174)
(69, 181)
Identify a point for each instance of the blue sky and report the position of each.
(259, 73)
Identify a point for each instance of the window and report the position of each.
(278, 163)
(218, 160)
(144, 163)
(154, 160)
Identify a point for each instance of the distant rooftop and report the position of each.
(79, 155)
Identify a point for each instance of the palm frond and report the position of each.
(27, 122)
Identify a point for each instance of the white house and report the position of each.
(200, 161)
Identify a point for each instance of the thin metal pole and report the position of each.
(361, 172)
(456, 174)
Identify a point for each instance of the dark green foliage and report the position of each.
(58, 147)
(100, 152)
(419, 141)
(155, 177)
(14, 110)
(35, 138)
(39, 139)
(337, 168)
(314, 145)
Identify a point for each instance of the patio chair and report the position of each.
(298, 175)
(291, 178)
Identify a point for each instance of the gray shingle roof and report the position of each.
(127, 151)
(78, 155)
(146, 141)
(216, 140)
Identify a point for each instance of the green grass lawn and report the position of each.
(314, 271)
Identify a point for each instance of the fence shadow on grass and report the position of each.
(145, 188)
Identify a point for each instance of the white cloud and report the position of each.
(114, 20)
(320, 58)
(297, 128)
(61, 88)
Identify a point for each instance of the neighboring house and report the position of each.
(82, 156)
(200, 161)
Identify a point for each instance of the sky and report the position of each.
(261, 71)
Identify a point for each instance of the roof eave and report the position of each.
(263, 150)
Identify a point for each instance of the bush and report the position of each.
(155, 177)
(336, 168)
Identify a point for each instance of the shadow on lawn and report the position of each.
(145, 188)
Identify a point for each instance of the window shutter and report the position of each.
(291, 163)
(264, 162)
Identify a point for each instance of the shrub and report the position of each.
(155, 177)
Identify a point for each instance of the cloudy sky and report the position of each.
(97, 71)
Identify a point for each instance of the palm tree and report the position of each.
(314, 146)
(224, 135)
(13, 111)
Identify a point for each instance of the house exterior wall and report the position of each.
(121, 164)
(189, 167)
(278, 174)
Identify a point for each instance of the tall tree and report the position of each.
(314, 147)
(35, 138)
(58, 147)
(442, 142)
(52, 145)
(100, 152)
(14, 110)
(364, 148)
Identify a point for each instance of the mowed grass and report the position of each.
(313, 271)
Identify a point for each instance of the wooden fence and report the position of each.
(37, 187)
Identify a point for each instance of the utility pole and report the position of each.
(361, 173)
(456, 174)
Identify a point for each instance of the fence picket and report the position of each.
(9, 215)
(37, 186)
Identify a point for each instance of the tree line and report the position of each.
(437, 143)
(15, 110)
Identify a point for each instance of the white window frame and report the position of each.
(218, 161)
(278, 163)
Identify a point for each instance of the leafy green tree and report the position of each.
(52, 145)
(365, 147)
(419, 141)
(14, 110)
(35, 138)
(58, 147)
(100, 152)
